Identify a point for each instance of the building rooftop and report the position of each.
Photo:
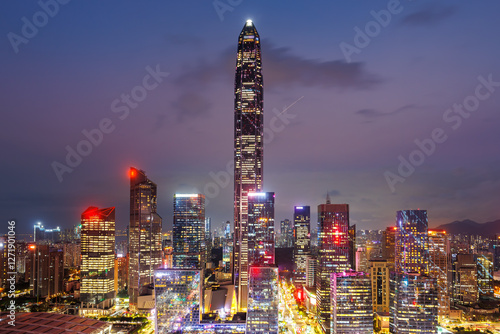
(51, 323)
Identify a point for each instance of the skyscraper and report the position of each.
(46, 235)
(379, 271)
(351, 303)
(438, 268)
(248, 145)
(144, 234)
(414, 306)
(412, 242)
(98, 257)
(465, 287)
(286, 233)
(189, 231)
(301, 242)
(263, 300)
(333, 254)
(484, 263)
(389, 245)
(260, 229)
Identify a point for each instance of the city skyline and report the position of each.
(385, 87)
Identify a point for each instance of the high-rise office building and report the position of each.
(301, 242)
(484, 264)
(72, 254)
(286, 233)
(380, 277)
(98, 257)
(333, 254)
(495, 244)
(412, 242)
(260, 228)
(389, 245)
(351, 303)
(311, 264)
(144, 234)
(414, 305)
(189, 231)
(46, 235)
(439, 262)
(263, 300)
(46, 270)
(465, 288)
(352, 246)
(207, 242)
(248, 146)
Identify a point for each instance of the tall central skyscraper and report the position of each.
(144, 234)
(248, 146)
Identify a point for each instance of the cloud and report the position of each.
(191, 105)
(373, 113)
(281, 68)
(429, 15)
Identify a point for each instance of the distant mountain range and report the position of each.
(472, 228)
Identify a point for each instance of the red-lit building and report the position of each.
(333, 254)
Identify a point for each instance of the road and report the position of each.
(291, 321)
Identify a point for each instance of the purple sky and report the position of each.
(358, 110)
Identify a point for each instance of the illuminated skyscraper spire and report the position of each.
(248, 147)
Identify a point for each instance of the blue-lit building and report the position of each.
(414, 304)
(412, 242)
(46, 235)
(188, 233)
(263, 300)
(301, 242)
(261, 228)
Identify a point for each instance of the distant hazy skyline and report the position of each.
(372, 81)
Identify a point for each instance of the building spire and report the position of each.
(328, 198)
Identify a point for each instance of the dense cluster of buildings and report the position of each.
(404, 280)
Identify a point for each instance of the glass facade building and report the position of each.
(412, 242)
(189, 231)
(301, 242)
(98, 256)
(414, 304)
(439, 254)
(286, 233)
(144, 234)
(333, 254)
(248, 147)
(484, 263)
(261, 228)
(263, 300)
(351, 303)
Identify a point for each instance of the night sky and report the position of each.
(364, 92)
